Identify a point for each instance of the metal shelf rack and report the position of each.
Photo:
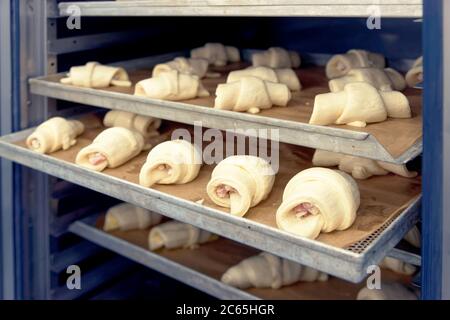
(285, 8)
(350, 264)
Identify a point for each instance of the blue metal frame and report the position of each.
(7, 258)
(436, 172)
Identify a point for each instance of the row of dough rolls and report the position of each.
(169, 235)
(239, 183)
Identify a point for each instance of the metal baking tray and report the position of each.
(287, 8)
(395, 140)
(203, 266)
(350, 264)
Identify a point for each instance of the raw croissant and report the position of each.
(171, 85)
(146, 126)
(398, 266)
(126, 217)
(415, 75)
(55, 134)
(217, 54)
(275, 58)
(111, 149)
(268, 271)
(251, 94)
(414, 237)
(388, 291)
(318, 200)
(285, 76)
(359, 168)
(171, 162)
(174, 235)
(194, 67)
(384, 80)
(241, 182)
(339, 65)
(359, 104)
(95, 75)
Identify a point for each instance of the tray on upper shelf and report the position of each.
(389, 207)
(203, 266)
(287, 8)
(394, 140)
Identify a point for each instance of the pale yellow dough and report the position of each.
(95, 75)
(415, 74)
(388, 291)
(118, 145)
(339, 65)
(398, 266)
(171, 162)
(171, 85)
(268, 271)
(275, 58)
(358, 104)
(248, 180)
(175, 235)
(251, 94)
(286, 76)
(217, 54)
(126, 217)
(55, 134)
(146, 126)
(334, 196)
(193, 67)
(384, 80)
(359, 168)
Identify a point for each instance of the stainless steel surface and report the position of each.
(321, 137)
(288, 8)
(405, 256)
(85, 228)
(341, 263)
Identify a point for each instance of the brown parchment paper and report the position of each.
(214, 258)
(382, 198)
(395, 135)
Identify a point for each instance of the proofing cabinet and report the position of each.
(53, 210)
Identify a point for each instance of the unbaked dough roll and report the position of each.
(318, 200)
(388, 291)
(171, 162)
(268, 271)
(397, 266)
(358, 104)
(285, 76)
(415, 74)
(126, 217)
(55, 134)
(383, 80)
(251, 94)
(194, 67)
(147, 126)
(240, 183)
(276, 57)
(359, 168)
(217, 54)
(339, 65)
(95, 75)
(414, 237)
(111, 149)
(175, 235)
(171, 85)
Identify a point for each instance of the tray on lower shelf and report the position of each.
(203, 267)
(394, 140)
(389, 207)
